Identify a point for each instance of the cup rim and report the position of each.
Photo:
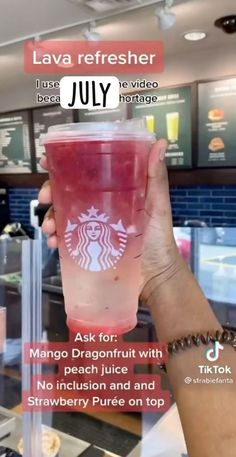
(80, 131)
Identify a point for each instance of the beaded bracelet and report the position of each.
(224, 336)
(186, 342)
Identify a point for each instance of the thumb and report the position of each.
(158, 197)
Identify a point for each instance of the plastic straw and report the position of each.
(31, 333)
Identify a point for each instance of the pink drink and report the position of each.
(98, 174)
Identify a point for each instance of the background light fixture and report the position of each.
(36, 43)
(166, 19)
(90, 33)
(195, 35)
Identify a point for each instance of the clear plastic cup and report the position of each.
(98, 173)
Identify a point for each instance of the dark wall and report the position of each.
(216, 205)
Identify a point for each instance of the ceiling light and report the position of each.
(195, 36)
(103, 6)
(90, 33)
(36, 45)
(166, 19)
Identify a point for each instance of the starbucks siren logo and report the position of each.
(93, 243)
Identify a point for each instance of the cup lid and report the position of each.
(119, 130)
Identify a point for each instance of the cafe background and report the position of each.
(202, 172)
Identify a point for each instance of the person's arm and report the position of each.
(207, 411)
(179, 308)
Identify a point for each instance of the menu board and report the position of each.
(43, 118)
(217, 123)
(15, 143)
(104, 115)
(170, 118)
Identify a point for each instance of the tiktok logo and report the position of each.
(213, 354)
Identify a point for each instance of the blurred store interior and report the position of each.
(202, 171)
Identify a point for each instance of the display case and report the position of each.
(211, 253)
(31, 292)
(32, 298)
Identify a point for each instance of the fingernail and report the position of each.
(162, 154)
(45, 184)
(39, 193)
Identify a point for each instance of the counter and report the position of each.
(70, 446)
(165, 439)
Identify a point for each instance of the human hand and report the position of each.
(160, 259)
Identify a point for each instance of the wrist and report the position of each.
(164, 278)
(178, 306)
